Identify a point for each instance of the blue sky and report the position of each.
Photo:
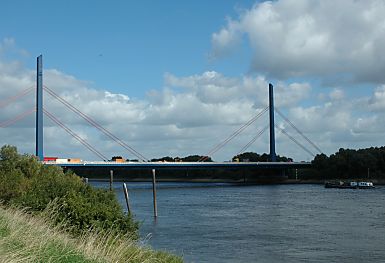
(125, 46)
(176, 78)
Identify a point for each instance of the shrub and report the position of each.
(12, 180)
(96, 208)
(12, 185)
(27, 183)
(51, 183)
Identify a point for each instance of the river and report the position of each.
(261, 223)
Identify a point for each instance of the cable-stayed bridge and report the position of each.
(143, 163)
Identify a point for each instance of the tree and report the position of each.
(320, 161)
(163, 159)
(196, 158)
(350, 163)
(247, 157)
(255, 157)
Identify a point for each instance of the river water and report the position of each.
(262, 223)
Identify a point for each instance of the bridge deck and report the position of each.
(176, 165)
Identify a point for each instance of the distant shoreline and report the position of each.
(264, 182)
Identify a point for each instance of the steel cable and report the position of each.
(20, 94)
(95, 124)
(233, 135)
(295, 141)
(295, 128)
(74, 135)
(253, 140)
(9, 122)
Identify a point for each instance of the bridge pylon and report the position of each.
(273, 156)
(39, 109)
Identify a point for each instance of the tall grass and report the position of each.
(27, 238)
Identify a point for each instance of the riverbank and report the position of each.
(374, 181)
(238, 182)
(26, 238)
(50, 216)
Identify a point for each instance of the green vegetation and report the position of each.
(243, 157)
(255, 157)
(190, 158)
(348, 163)
(27, 183)
(27, 238)
(65, 203)
(344, 164)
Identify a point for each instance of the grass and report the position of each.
(27, 238)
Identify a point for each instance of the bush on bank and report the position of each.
(26, 183)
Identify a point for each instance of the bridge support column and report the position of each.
(273, 156)
(39, 109)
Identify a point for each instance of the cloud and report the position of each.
(377, 101)
(6, 44)
(323, 38)
(337, 94)
(190, 115)
(226, 39)
(8, 48)
(214, 88)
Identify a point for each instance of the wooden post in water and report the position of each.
(127, 199)
(111, 179)
(154, 193)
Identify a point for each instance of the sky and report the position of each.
(176, 78)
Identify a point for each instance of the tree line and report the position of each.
(243, 157)
(190, 158)
(349, 163)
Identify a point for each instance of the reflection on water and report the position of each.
(266, 223)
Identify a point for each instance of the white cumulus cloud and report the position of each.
(311, 38)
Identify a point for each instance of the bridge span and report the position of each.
(233, 172)
(184, 165)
